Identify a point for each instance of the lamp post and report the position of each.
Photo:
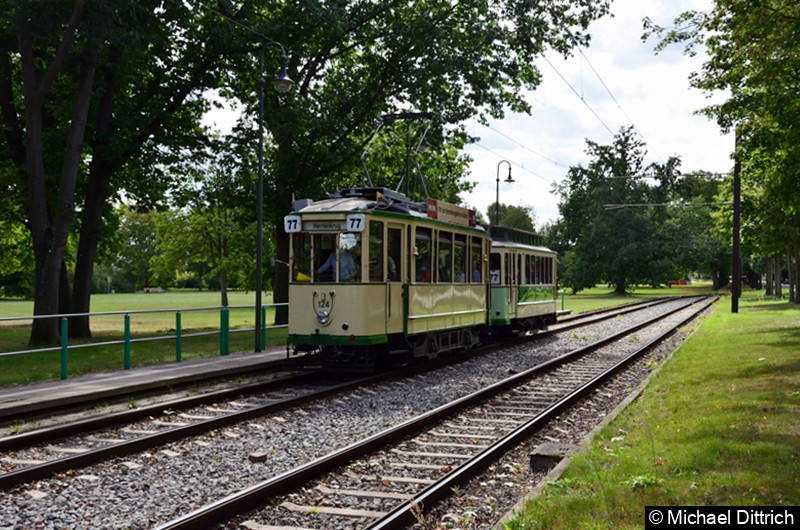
(282, 83)
(508, 180)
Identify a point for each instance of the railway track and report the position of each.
(248, 423)
(41, 453)
(388, 480)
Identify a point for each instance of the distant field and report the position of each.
(14, 335)
(603, 296)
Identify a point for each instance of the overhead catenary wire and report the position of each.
(611, 94)
(520, 166)
(671, 204)
(525, 147)
(579, 95)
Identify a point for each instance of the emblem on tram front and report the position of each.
(323, 306)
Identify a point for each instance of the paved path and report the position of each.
(44, 395)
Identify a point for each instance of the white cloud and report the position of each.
(651, 91)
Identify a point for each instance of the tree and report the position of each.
(96, 97)
(754, 56)
(522, 217)
(356, 60)
(606, 244)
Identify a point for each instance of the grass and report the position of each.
(105, 328)
(603, 296)
(719, 425)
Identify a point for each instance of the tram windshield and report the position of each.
(326, 257)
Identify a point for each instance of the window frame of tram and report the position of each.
(342, 244)
(300, 258)
(460, 250)
(475, 257)
(495, 264)
(423, 246)
(444, 257)
(385, 252)
(376, 244)
(394, 252)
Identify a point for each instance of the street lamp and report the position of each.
(282, 83)
(508, 180)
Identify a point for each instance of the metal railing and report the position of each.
(224, 332)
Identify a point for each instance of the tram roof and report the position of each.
(523, 246)
(369, 200)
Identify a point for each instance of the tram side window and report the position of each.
(494, 268)
(394, 246)
(459, 258)
(507, 262)
(445, 257)
(375, 251)
(530, 278)
(422, 243)
(549, 270)
(301, 257)
(475, 260)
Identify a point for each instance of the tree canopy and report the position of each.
(99, 98)
(620, 228)
(754, 57)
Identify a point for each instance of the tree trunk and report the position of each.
(768, 278)
(619, 288)
(790, 271)
(100, 171)
(49, 224)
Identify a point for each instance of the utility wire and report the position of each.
(579, 96)
(498, 155)
(612, 95)
(504, 135)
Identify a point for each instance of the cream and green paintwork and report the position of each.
(368, 313)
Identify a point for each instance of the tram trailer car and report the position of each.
(522, 275)
(377, 279)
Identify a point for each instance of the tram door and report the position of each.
(511, 283)
(394, 277)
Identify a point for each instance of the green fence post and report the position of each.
(177, 336)
(223, 331)
(127, 341)
(263, 327)
(562, 299)
(64, 346)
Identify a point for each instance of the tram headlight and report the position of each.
(324, 317)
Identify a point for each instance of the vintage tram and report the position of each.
(379, 279)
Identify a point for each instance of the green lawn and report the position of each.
(106, 328)
(603, 296)
(718, 425)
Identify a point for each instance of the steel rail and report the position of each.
(603, 314)
(58, 432)
(402, 515)
(243, 501)
(605, 310)
(40, 471)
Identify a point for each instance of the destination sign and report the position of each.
(451, 213)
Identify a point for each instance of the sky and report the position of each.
(651, 92)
